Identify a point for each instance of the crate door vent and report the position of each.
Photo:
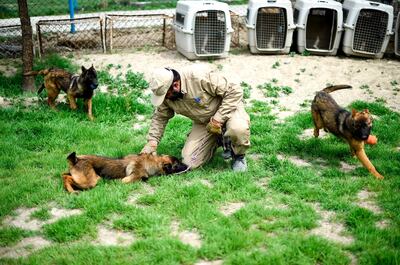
(210, 32)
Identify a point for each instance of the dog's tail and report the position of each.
(40, 72)
(72, 159)
(330, 89)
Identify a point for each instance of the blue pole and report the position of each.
(71, 14)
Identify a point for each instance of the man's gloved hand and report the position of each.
(150, 148)
(214, 127)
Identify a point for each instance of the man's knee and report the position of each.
(238, 131)
(192, 162)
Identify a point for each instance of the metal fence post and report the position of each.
(71, 14)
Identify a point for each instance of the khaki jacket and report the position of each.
(205, 95)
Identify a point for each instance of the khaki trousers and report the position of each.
(200, 144)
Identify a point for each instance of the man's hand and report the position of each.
(150, 148)
(214, 127)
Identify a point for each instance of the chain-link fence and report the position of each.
(10, 41)
(64, 35)
(133, 31)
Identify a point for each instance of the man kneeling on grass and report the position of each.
(213, 104)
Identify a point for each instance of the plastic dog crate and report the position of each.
(270, 26)
(202, 29)
(367, 28)
(397, 36)
(319, 26)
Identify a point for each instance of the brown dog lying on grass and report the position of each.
(354, 127)
(86, 170)
(75, 86)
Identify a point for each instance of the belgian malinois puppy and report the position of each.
(86, 170)
(354, 127)
(75, 86)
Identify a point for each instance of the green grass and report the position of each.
(35, 142)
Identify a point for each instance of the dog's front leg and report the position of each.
(131, 178)
(68, 181)
(362, 156)
(88, 107)
(72, 102)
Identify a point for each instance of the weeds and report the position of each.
(273, 91)
(246, 90)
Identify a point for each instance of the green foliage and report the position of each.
(273, 91)
(10, 236)
(41, 214)
(246, 90)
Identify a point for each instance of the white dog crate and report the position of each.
(397, 36)
(270, 26)
(367, 28)
(319, 26)
(202, 29)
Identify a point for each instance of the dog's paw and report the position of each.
(126, 180)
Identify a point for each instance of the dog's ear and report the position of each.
(83, 69)
(353, 113)
(72, 158)
(366, 111)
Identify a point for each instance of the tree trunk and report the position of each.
(27, 45)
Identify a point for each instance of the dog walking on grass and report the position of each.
(86, 170)
(75, 86)
(354, 127)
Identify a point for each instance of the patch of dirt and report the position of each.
(5, 102)
(209, 262)
(231, 208)
(23, 218)
(263, 182)
(346, 167)
(206, 183)
(295, 160)
(137, 126)
(309, 133)
(382, 224)
(255, 157)
(329, 229)
(366, 200)
(24, 248)
(191, 238)
(145, 190)
(353, 258)
(112, 237)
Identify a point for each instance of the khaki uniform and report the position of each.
(205, 95)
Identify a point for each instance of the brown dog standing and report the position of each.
(354, 127)
(75, 86)
(86, 170)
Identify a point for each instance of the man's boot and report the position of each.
(239, 163)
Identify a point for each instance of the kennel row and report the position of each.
(203, 28)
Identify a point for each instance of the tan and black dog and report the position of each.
(354, 127)
(86, 170)
(75, 86)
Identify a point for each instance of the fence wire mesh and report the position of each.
(65, 35)
(137, 31)
(10, 41)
